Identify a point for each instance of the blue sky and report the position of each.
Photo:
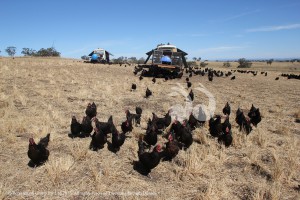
(215, 29)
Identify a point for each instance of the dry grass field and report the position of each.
(40, 95)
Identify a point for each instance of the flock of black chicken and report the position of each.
(179, 135)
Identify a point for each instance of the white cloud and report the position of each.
(274, 28)
(236, 16)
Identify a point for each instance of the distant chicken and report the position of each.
(191, 95)
(227, 109)
(189, 84)
(75, 127)
(148, 93)
(149, 160)
(133, 87)
(118, 139)
(232, 78)
(210, 75)
(38, 153)
(98, 139)
(91, 110)
(153, 80)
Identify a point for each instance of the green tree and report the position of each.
(49, 52)
(118, 60)
(194, 58)
(11, 51)
(132, 60)
(28, 52)
(243, 63)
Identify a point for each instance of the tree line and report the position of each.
(43, 52)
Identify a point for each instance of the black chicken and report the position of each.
(210, 75)
(86, 127)
(151, 134)
(226, 124)
(148, 93)
(163, 122)
(215, 126)
(193, 122)
(185, 135)
(149, 160)
(252, 109)
(45, 140)
(189, 84)
(191, 95)
(91, 110)
(99, 138)
(153, 80)
(105, 127)
(243, 122)
(136, 117)
(226, 137)
(38, 153)
(75, 127)
(254, 115)
(171, 150)
(232, 78)
(126, 126)
(117, 140)
(133, 87)
(227, 109)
